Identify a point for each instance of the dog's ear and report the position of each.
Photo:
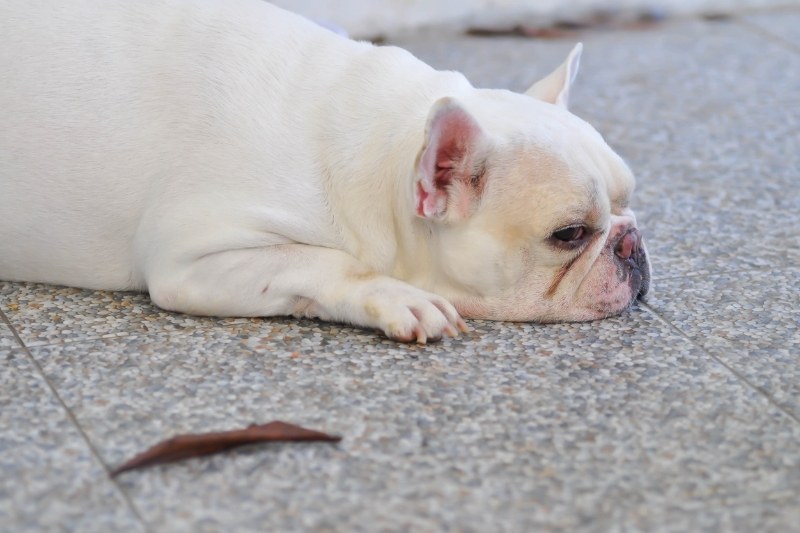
(450, 168)
(554, 88)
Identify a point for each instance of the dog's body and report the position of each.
(235, 159)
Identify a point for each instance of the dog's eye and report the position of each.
(570, 234)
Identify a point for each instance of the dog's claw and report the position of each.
(462, 326)
(419, 331)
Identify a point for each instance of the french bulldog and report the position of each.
(235, 159)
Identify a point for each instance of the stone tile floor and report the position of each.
(680, 415)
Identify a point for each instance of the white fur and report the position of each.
(235, 159)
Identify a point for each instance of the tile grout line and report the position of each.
(74, 421)
(741, 377)
(758, 29)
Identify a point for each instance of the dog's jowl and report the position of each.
(232, 158)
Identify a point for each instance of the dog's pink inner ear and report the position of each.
(448, 159)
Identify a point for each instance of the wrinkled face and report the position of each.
(552, 237)
(529, 213)
(528, 208)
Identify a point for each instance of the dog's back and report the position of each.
(103, 103)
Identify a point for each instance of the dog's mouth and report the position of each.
(645, 286)
(641, 271)
(639, 284)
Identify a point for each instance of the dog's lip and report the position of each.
(643, 268)
(644, 288)
(640, 281)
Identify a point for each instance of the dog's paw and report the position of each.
(408, 314)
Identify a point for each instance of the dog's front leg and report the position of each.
(302, 280)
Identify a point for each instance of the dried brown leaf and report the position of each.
(200, 444)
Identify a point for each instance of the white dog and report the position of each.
(232, 158)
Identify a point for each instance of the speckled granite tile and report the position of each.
(49, 479)
(783, 24)
(47, 314)
(751, 320)
(7, 340)
(696, 238)
(515, 427)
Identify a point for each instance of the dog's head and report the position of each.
(528, 207)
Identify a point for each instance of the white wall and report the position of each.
(366, 18)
